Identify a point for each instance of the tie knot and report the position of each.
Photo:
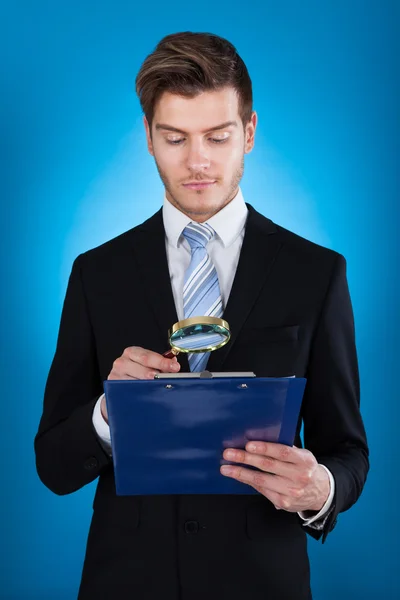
(198, 234)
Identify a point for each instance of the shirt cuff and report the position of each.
(325, 509)
(102, 428)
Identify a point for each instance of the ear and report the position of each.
(148, 136)
(250, 132)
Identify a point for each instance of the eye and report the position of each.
(175, 142)
(213, 140)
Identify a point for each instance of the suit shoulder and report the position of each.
(301, 244)
(307, 256)
(312, 262)
(122, 243)
(297, 247)
(111, 247)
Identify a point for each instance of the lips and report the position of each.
(198, 185)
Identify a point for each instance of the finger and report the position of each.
(272, 483)
(114, 376)
(281, 452)
(123, 368)
(262, 462)
(152, 360)
(281, 501)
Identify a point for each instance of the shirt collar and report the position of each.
(228, 223)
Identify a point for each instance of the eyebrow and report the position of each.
(216, 128)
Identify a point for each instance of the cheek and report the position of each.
(232, 151)
(168, 161)
(229, 159)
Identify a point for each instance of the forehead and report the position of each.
(196, 114)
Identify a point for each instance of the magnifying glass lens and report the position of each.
(198, 337)
(199, 334)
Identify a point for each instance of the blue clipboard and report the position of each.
(168, 436)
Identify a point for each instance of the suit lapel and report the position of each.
(259, 251)
(151, 258)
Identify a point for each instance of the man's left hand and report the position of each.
(289, 477)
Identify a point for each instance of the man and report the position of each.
(287, 302)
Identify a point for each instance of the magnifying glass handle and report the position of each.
(170, 353)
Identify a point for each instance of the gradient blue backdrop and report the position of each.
(75, 172)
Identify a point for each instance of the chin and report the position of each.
(199, 208)
(201, 201)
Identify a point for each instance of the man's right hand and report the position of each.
(138, 363)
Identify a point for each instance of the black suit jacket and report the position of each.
(290, 314)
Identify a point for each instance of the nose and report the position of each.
(197, 158)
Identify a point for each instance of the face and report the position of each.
(199, 145)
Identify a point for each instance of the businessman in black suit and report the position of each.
(288, 306)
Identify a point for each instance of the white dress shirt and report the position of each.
(224, 250)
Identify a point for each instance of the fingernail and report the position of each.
(226, 470)
(175, 366)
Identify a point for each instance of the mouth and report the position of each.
(201, 185)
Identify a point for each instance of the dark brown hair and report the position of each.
(189, 63)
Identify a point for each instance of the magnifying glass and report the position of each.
(197, 334)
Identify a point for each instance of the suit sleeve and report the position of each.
(68, 451)
(333, 426)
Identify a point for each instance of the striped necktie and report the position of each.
(201, 293)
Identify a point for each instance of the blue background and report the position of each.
(75, 172)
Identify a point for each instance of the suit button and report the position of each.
(91, 463)
(191, 526)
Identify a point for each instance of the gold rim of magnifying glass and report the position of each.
(199, 321)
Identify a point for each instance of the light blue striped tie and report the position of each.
(201, 293)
